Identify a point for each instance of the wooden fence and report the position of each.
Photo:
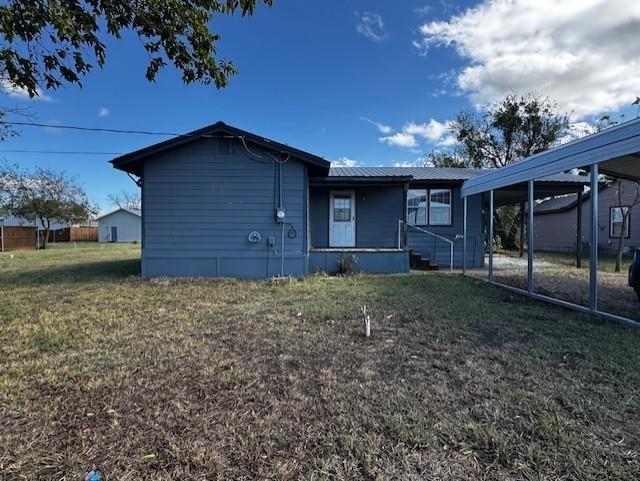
(74, 234)
(18, 238)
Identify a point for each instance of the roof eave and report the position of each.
(130, 162)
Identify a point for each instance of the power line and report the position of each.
(137, 132)
(65, 152)
(101, 129)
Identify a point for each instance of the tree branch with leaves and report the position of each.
(58, 41)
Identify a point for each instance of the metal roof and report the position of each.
(557, 204)
(617, 150)
(417, 173)
(434, 173)
(135, 212)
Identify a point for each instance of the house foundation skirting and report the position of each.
(361, 260)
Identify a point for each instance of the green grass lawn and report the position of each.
(230, 380)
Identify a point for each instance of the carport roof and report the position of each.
(616, 150)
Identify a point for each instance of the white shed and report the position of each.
(121, 225)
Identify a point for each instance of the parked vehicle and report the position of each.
(634, 274)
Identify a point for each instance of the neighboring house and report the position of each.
(120, 225)
(221, 201)
(556, 221)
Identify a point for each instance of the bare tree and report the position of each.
(126, 199)
(626, 202)
(43, 195)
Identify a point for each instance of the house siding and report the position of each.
(437, 250)
(203, 199)
(378, 210)
(557, 231)
(129, 227)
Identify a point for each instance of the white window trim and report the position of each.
(624, 235)
(428, 206)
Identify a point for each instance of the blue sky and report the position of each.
(369, 81)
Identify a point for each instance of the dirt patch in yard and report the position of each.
(556, 278)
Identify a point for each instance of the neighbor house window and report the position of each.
(616, 219)
(439, 207)
(417, 206)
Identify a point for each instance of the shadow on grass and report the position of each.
(80, 273)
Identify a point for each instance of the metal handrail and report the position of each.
(448, 241)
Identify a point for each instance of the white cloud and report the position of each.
(371, 26)
(577, 130)
(103, 112)
(405, 163)
(382, 128)
(423, 11)
(400, 139)
(434, 132)
(21, 93)
(345, 162)
(581, 53)
(448, 140)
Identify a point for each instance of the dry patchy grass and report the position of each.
(556, 275)
(204, 379)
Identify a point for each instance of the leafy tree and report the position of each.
(44, 195)
(506, 132)
(126, 199)
(51, 42)
(444, 159)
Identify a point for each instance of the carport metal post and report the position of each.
(579, 233)
(593, 256)
(464, 237)
(490, 241)
(530, 239)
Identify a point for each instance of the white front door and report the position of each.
(342, 219)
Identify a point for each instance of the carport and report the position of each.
(614, 152)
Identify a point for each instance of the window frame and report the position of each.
(342, 210)
(426, 207)
(450, 205)
(428, 192)
(623, 235)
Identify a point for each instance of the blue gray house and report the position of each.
(221, 201)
